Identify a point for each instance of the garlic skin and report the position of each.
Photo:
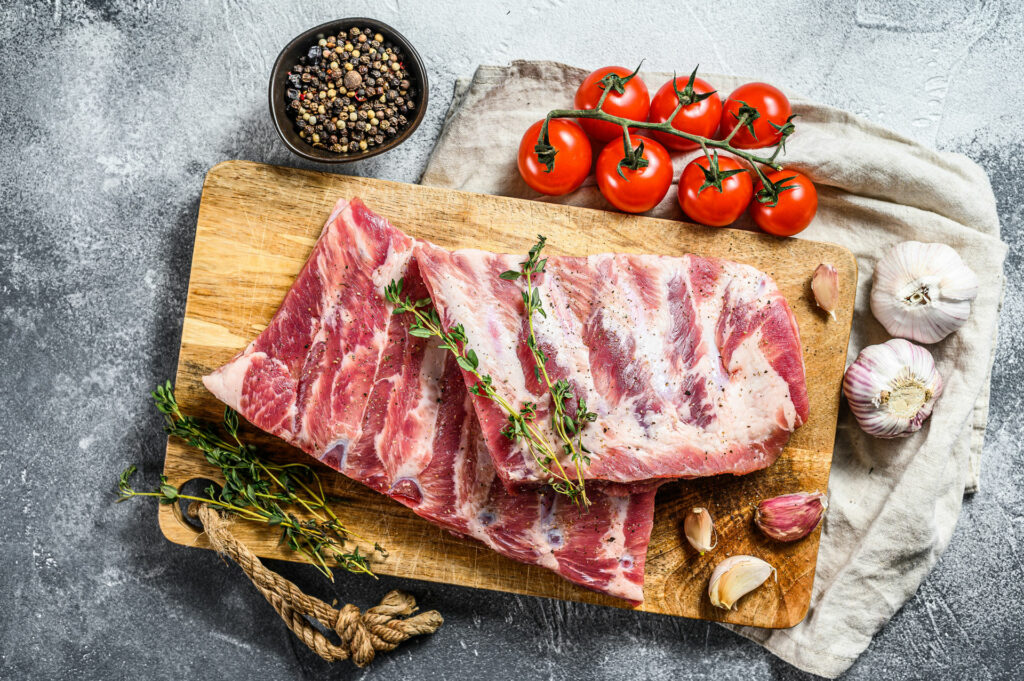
(922, 291)
(892, 388)
(825, 287)
(734, 578)
(791, 516)
(699, 528)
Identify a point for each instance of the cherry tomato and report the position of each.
(697, 118)
(772, 107)
(795, 207)
(572, 158)
(634, 102)
(711, 205)
(635, 191)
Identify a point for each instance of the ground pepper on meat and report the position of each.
(350, 92)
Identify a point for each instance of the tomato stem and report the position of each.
(666, 127)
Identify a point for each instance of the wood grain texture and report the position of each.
(256, 226)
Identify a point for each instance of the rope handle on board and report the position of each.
(361, 634)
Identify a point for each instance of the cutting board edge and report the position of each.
(177, 531)
(217, 168)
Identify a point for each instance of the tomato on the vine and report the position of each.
(628, 98)
(701, 112)
(636, 181)
(572, 157)
(794, 206)
(715, 193)
(763, 127)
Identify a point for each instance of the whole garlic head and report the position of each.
(922, 291)
(892, 388)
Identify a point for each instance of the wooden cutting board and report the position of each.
(257, 224)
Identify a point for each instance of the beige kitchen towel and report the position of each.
(893, 504)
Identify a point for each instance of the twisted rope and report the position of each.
(361, 634)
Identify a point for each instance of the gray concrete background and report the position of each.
(112, 112)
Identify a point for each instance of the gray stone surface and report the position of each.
(111, 114)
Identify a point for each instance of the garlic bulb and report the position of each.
(734, 578)
(825, 287)
(922, 291)
(699, 528)
(791, 516)
(892, 387)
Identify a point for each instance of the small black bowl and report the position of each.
(299, 46)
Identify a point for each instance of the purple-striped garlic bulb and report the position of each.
(892, 387)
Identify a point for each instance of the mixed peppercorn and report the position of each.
(350, 92)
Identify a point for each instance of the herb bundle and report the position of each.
(258, 490)
(568, 420)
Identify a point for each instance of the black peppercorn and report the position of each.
(314, 53)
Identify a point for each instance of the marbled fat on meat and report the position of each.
(693, 365)
(338, 376)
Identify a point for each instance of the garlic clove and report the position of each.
(699, 528)
(734, 578)
(825, 286)
(922, 291)
(892, 388)
(791, 516)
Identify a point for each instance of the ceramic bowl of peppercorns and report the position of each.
(347, 90)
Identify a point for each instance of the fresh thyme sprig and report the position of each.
(521, 422)
(257, 490)
(568, 419)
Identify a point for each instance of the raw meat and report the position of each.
(693, 365)
(340, 377)
(307, 376)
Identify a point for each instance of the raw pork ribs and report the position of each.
(693, 366)
(337, 375)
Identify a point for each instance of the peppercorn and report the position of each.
(352, 79)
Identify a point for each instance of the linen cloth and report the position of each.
(892, 503)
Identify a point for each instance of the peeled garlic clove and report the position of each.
(791, 516)
(892, 387)
(734, 578)
(825, 286)
(922, 291)
(699, 528)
